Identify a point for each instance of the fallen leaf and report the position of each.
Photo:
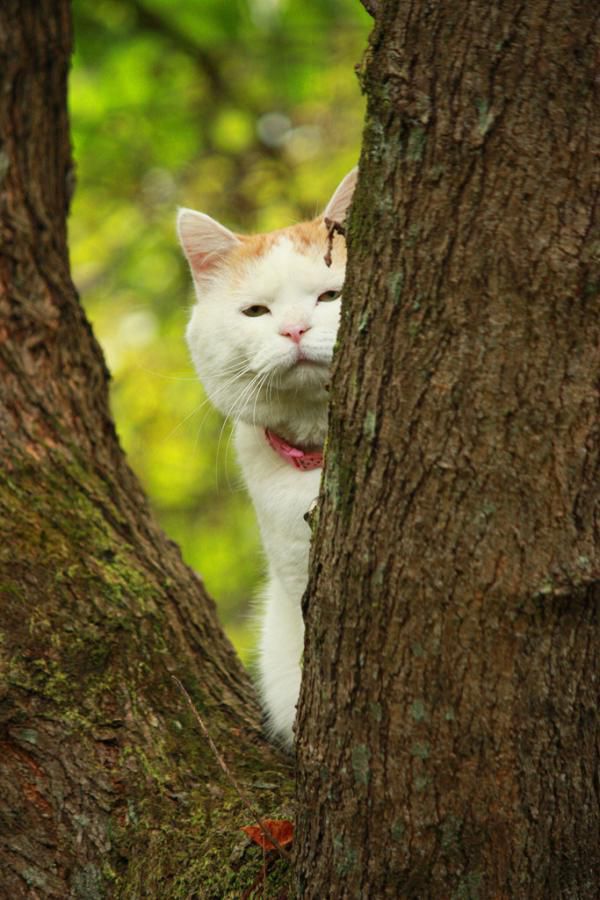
(281, 829)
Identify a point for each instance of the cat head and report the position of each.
(262, 331)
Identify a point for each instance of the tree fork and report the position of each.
(448, 726)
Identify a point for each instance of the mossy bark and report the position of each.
(107, 788)
(448, 722)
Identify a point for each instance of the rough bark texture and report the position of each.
(106, 786)
(448, 725)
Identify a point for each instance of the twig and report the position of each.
(271, 837)
(333, 228)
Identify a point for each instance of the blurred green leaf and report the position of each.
(247, 110)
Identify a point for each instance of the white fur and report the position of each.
(262, 378)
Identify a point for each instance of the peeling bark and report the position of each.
(448, 722)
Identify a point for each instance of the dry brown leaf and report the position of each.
(281, 829)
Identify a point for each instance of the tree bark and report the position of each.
(448, 727)
(448, 739)
(107, 788)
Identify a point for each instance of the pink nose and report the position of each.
(294, 332)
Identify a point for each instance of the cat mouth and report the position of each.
(304, 364)
(307, 360)
(303, 361)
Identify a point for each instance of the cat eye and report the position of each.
(328, 295)
(256, 310)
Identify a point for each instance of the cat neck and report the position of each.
(306, 431)
(298, 417)
(297, 435)
(294, 456)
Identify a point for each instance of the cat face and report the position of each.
(264, 326)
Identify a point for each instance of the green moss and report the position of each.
(194, 857)
(545, 589)
(418, 711)
(485, 117)
(420, 749)
(374, 138)
(25, 735)
(89, 883)
(396, 285)
(34, 877)
(172, 833)
(468, 887)
(344, 855)
(413, 235)
(72, 551)
(376, 711)
(421, 782)
(378, 577)
(360, 764)
(449, 833)
(398, 830)
(417, 139)
(4, 165)
(339, 485)
(369, 424)
(591, 289)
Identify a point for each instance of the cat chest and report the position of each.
(282, 503)
(281, 495)
(284, 530)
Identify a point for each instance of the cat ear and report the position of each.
(337, 207)
(204, 241)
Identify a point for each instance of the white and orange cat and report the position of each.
(261, 336)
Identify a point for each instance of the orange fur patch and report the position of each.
(305, 236)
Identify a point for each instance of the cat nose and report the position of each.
(294, 332)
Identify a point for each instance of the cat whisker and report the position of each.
(222, 389)
(234, 415)
(187, 418)
(264, 379)
(167, 377)
(236, 369)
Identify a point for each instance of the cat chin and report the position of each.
(305, 376)
(301, 421)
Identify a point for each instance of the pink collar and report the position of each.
(292, 455)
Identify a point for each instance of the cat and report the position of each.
(261, 336)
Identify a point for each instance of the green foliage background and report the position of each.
(248, 110)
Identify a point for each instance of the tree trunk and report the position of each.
(107, 788)
(448, 739)
(448, 729)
